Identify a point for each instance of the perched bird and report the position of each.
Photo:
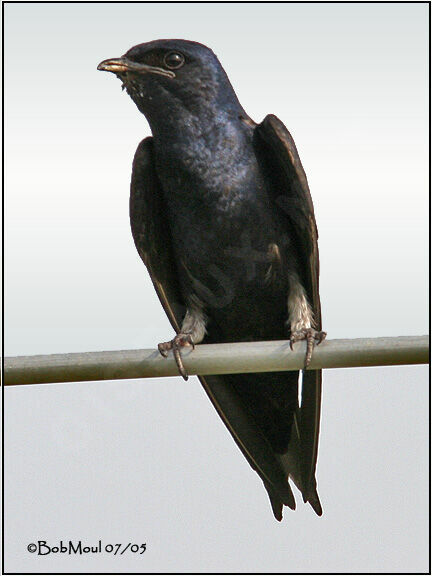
(222, 217)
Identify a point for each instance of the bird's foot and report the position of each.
(313, 337)
(176, 344)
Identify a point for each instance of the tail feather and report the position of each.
(277, 504)
(292, 465)
(314, 500)
(274, 468)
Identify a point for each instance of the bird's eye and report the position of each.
(174, 60)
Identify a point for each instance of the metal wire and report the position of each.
(271, 356)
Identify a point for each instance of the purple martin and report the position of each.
(222, 217)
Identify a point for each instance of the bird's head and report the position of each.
(171, 77)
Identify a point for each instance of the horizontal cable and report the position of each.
(270, 356)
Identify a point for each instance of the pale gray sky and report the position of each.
(150, 461)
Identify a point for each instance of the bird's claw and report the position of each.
(313, 337)
(176, 344)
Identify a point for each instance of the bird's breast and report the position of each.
(229, 258)
(225, 234)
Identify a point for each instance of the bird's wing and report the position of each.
(277, 150)
(151, 233)
(152, 238)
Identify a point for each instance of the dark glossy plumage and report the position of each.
(222, 217)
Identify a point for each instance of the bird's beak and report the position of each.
(122, 65)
